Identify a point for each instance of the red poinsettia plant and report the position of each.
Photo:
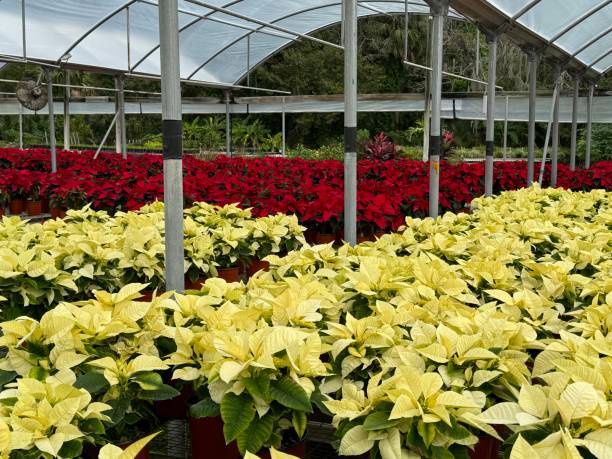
(388, 191)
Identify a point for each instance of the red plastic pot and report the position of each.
(44, 203)
(33, 208)
(147, 295)
(486, 448)
(194, 285)
(207, 440)
(56, 212)
(175, 408)
(229, 274)
(325, 238)
(16, 206)
(257, 265)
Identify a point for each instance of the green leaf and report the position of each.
(6, 377)
(427, 432)
(289, 393)
(71, 449)
(164, 392)
(355, 442)
(378, 420)
(119, 407)
(38, 373)
(259, 387)
(92, 426)
(256, 435)
(439, 452)
(204, 409)
(148, 380)
(237, 412)
(93, 382)
(299, 420)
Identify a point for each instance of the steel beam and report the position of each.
(554, 156)
(574, 123)
(439, 9)
(51, 121)
(589, 129)
(533, 69)
(350, 121)
(490, 135)
(284, 128)
(228, 124)
(172, 127)
(120, 134)
(67, 111)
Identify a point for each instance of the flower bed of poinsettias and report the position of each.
(313, 190)
(66, 259)
(448, 335)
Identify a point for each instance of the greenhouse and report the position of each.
(305, 229)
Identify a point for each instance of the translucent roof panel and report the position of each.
(220, 40)
(581, 28)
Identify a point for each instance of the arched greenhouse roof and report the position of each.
(578, 33)
(216, 46)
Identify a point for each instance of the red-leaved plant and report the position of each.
(380, 148)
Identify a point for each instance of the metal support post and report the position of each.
(439, 10)
(533, 69)
(589, 129)
(427, 114)
(350, 121)
(554, 156)
(51, 121)
(574, 123)
(284, 128)
(228, 124)
(106, 134)
(506, 129)
(490, 136)
(172, 128)
(20, 127)
(120, 130)
(67, 111)
(548, 130)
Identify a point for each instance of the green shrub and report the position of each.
(601, 143)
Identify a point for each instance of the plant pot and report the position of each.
(16, 206)
(1, 211)
(207, 440)
(56, 212)
(175, 408)
(194, 285)
(325, 238)
(147, 295)
(298, 450)
(33, 208)
(44, 204)
(90, 451)
(365, 238)
(310, 235)
(257, 265)
(486, 448)
(229, 274)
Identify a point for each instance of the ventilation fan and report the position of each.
(31, 94)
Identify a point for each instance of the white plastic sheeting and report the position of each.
(123, 35)
(468, 109)
(581, 29)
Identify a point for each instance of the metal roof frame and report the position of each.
(490, 17)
